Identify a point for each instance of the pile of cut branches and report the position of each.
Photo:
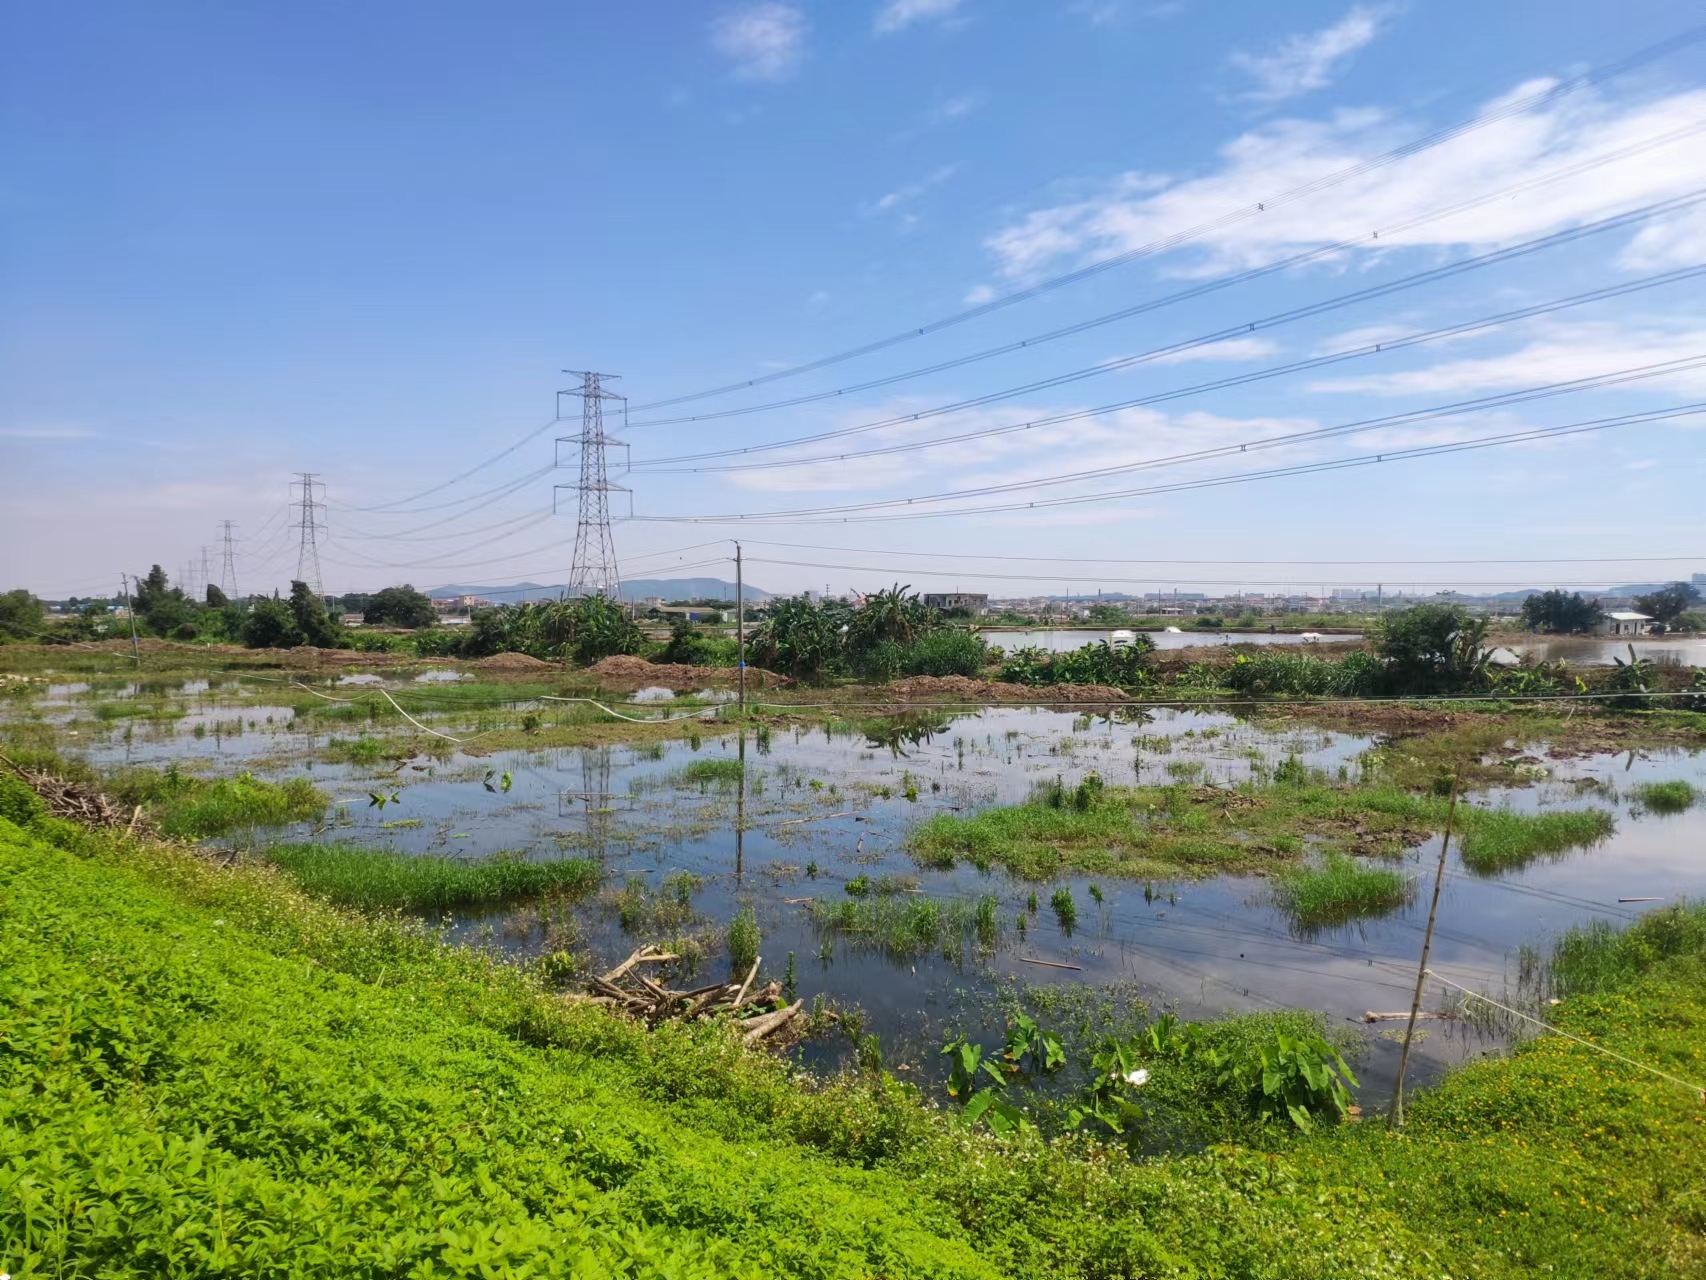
(67, 799)
(757, 1014)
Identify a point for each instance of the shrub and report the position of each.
(947, 652)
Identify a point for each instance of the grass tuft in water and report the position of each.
(715, 771)
(377, 879)
(1674, 796)
(743, 941)
(1341, 888)
(904, 929)
(187, 807)
(1505, 840)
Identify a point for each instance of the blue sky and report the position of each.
(243, 241)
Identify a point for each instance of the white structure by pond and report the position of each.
(1623, 622)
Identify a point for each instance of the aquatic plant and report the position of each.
(1504, 839)
(1340, 888)
(1065, 909)
(374, 879)
(1673, 796)
(743, 940)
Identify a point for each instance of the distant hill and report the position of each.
(638, 589)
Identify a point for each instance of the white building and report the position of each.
(1623, 622)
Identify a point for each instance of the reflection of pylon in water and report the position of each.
(594, 802)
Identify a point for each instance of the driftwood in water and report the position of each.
(627, 989)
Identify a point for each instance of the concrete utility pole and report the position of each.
(135, 649)
(310, 526)
(593, 571)
(740, 636)
(228, 560)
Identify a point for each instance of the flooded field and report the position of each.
(807, 828)
(1601, 651)
(1064, 639)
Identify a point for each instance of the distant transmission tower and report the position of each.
(310, 526)
(593, 569)
(228, 560)
(206, 577)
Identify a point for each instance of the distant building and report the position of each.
(1700, 579)
(1623, 622)
(950, 601)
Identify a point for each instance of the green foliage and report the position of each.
(1496, 840)
(160, 607)
(1340, 888)
(1356, 675)
(1100, 663)
(205, 1070)
(801, 637)
(1559, 611)
(692, 647)
(1669, 603)
(399, 607)
(19, 804)
(313, 622)
(743, 940)
(1596, 957)
(22, 616)
(718, 769)
(1065, 909)
(1632, 679)
(583, 629)
(271, 625)
(374, 879)
(1433, 648)
(906, 926)
(1673, 796)
(946, 651)
(198, 807)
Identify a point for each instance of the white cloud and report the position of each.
(897, 15)
(1231, 349)
(979, 294)
(765, 41)
(1559, 353)
(1305, 63)
(908, 192)
(1549, 137)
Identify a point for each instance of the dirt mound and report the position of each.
(971, 689)
(624, 671)
(512, 662)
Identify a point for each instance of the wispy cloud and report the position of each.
(765, 41)
(1557, 353)
(46, 433)
(1231, 349)
(1550, 137)
(897, 15)
(1307, 62)
(905, 194)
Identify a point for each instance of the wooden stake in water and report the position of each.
(1395, 1114)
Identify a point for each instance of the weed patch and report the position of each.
(373, 879)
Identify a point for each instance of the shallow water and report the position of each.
(1593, 651)
(846, 803)
(1064, 639)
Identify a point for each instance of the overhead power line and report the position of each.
(1380, 237)
(1232, 217)
(1459, 408)
(1243, 329)
(832, 515)
(1104, 560)
(1362, 350)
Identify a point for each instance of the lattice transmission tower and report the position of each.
(311, 526)
(593, 569)
(228, 559)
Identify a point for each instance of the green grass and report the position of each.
(1340, 888)
(207, 1072)
(1674, 796)
(907, 928)
(373, 879)
(185, 806)
(1504, 840)
(713, 771)
(1192, 830)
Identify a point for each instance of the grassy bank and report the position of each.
(207, 1072)
(1202, 830)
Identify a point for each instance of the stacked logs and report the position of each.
(753, 1011)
